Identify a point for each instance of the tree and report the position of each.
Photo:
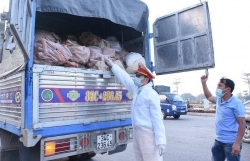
(177, 82)
(246, 79)
(188, 96)
(200, 97)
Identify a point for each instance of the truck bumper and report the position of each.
(171, 113)
(109, 140)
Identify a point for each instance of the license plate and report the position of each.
(104, 141)
(183, 111)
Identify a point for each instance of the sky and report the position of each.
(230, 31)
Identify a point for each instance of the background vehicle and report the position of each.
(246, 137)
(246, 98)
(49, 112)
(172, 105)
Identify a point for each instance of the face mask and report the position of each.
(220, 93)
(137, 82)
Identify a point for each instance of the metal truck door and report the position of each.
(183, 41)
(20, 14)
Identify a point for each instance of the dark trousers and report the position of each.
(222, 151)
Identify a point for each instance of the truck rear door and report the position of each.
(183, 41)
(20, 15)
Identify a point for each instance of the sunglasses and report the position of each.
(138, 75)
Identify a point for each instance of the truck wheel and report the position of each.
(246, 137)
(177, 116)
(163, 115)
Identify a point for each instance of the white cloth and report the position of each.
(145, 110)
(145, 148)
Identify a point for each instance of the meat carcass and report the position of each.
(51, 52)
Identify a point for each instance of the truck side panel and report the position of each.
(11, 100)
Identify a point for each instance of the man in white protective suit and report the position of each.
(149, 138)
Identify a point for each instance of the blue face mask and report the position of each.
(219, 93)
(137, 82)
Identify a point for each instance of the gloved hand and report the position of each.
(109, 62)
(161, 149)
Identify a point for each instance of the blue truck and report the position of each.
(172, 104)
(49, 112)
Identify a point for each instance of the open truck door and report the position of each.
(19, 26)
(183, 41)
(15, 36)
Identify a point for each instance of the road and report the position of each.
(188, 139)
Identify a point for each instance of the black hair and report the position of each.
(228, 83)
(148, 78)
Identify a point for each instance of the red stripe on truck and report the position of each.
(59, 95)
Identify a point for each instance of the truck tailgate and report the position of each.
(65, 96)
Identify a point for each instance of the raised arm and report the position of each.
(123, 76)
(206, 91)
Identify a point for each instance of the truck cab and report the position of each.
(172, 105)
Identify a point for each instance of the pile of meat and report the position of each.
(87, 51)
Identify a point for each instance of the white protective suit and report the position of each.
(148, 127)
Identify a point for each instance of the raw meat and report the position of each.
(51, 52)
(114, 43)
(47, 35)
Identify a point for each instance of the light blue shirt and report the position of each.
(226, 125)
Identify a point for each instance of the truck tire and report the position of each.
(82, 157)
(176, 116)
(163, 115)
(246, 137)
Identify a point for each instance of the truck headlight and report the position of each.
(174, 107)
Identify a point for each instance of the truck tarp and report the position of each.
(131, 13)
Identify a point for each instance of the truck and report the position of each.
(49, 112)
(172, 104)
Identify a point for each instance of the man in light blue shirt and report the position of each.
(229, 120)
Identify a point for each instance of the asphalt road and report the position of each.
(188, 139)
